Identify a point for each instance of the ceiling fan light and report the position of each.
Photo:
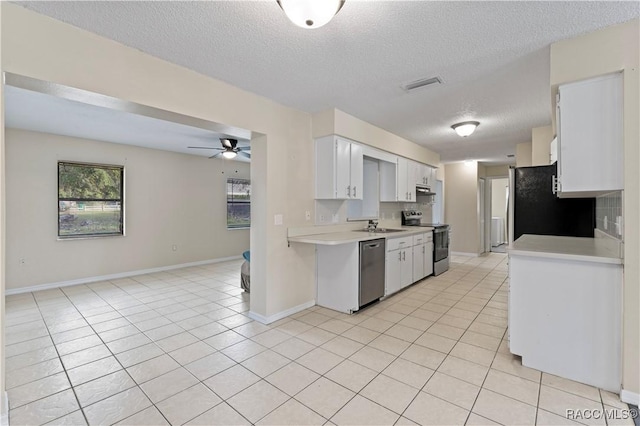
(310, 13)
(229, 154)
(465, 128)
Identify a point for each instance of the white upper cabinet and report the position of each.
(339, 169)
(398, 180)
(590, 138)
(402, 181)
(426, 175)
(407, 178)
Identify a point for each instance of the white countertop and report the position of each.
(567, 248)
(345, 237)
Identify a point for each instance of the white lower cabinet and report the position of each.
(565, 317)
(337, 276)
(399, 264)
(422, 256)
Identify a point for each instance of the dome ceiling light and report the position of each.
(310, 13)
(465, 128)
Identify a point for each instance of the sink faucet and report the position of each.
(371, 227)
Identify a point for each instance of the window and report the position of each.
(90, 200)
(238, 203)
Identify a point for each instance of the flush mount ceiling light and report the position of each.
(310, 13)
(465, 128)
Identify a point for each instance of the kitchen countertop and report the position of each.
(566, 248)
(346, 237)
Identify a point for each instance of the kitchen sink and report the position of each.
(381, 230)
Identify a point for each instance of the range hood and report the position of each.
(423, 190)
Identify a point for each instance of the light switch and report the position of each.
(277, 219)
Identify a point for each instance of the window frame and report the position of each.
(121, 200)
(226, 193)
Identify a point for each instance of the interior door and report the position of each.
(481, 214)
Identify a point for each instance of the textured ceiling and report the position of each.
(493, 58)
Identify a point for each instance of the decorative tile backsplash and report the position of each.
(609, 214)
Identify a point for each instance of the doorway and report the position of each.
(499, 232)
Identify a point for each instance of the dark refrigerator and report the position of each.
(537, 210)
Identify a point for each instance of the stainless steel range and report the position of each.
(440, 239)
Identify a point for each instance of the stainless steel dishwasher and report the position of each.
(372, 271)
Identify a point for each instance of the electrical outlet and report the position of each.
(321, 218)
(174, 247)
(307, 215)
(277, 219)
(335, 218)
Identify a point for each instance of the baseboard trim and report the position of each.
(4, 418)
(461, 253)
(278, 316)
(630, 397)
(88, 280)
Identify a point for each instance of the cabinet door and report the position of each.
(590, 143)
(413, 178)
(343, 167)
(418, 262)
(401, 179)
(431, 177)
(428, 259)
(406, 274)
(356, 170)
(392, 272)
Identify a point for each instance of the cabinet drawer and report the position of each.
(428, 237)
(398, 243)
(419, 239)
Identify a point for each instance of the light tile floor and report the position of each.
(178, 348)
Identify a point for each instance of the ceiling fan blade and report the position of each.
(205, 147)
(216, 155)
(244, 154)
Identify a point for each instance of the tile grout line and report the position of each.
(64, 368)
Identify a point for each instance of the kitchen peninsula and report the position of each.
(565, 307)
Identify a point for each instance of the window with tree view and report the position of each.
(238, 203)
(90, 200)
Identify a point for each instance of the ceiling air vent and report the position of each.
(421, 83)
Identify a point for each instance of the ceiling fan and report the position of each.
(229, 149)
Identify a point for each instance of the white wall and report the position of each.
(170, 199)
(541, 138)
(461, 206)
(524, 154)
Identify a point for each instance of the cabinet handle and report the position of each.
(349, 191)
(404, 255)
(400, 256)
(422, 249)
(555, 185)
(355, 195)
